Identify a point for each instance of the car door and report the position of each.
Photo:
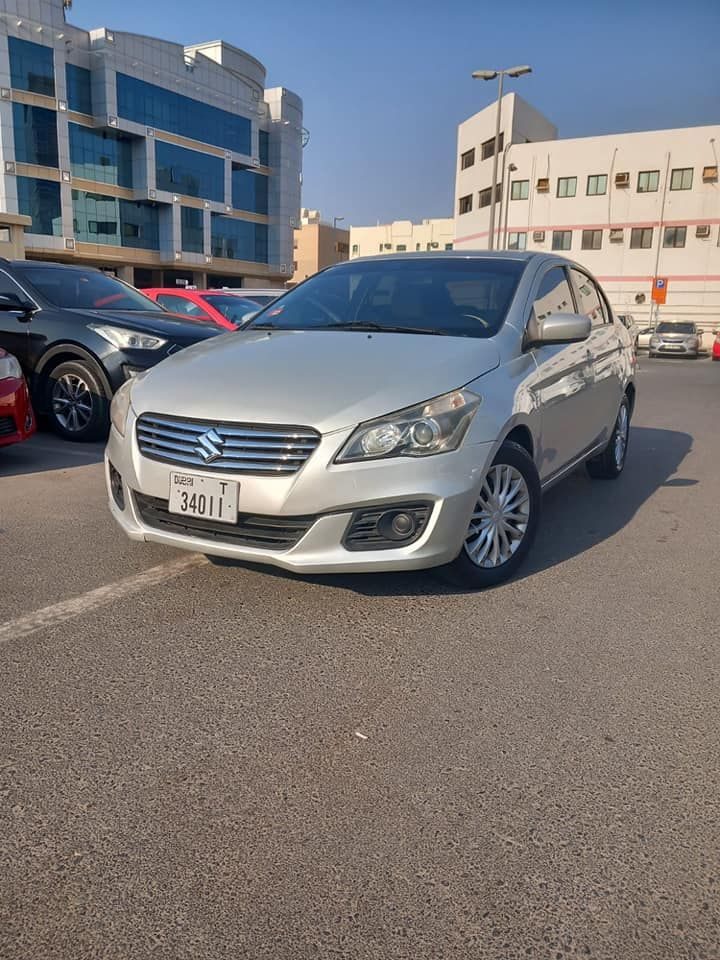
(605, 345)
(14, 333)
(561, 388)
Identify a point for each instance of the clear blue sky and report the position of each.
(385, 82)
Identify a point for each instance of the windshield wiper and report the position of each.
(385, 328)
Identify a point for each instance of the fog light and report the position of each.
(116, 487)
(396, 525)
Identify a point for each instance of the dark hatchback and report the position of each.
(79, 334)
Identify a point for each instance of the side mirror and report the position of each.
(557, 328)
(12, 303)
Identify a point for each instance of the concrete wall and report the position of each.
(317, 246)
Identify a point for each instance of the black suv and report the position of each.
(79, 334)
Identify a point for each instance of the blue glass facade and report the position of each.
(249, 190)
(79, 95)
(35, 130)
(156, 107)
(238, 239)
(191, 223)
(40, 199)
(264, 147)
(102, 155)
(120, 223)
(189, 172)
(32, 66)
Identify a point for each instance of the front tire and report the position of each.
(77, 405)
(503, 523)
(611, 462)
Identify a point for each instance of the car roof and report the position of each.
(47, 264)
(522, 255)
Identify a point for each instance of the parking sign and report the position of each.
(659, 289)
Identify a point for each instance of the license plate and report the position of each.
(672, 346)
(194, 496)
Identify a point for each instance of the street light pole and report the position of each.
(490, 75)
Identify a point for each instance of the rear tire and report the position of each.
(504, 522)
(611, 462)
(76, 402)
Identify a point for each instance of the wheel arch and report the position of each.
(64, 353)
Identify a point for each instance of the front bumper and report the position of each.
(17, 421)
(677, 348)
(330, 494)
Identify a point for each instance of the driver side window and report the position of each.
(553, 295)
(9, 287)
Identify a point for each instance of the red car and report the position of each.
(17, 421)
(716, 346)
(216, 306)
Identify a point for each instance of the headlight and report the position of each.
(436, 426)
(128, 339)
(692, 341)
(654, 339)
(9, 367)
(120, 406)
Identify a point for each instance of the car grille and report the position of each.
(268, 533)
(7, 426)
(242, 448)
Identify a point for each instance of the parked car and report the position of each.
(79, 334)
(628, 321)
(260, 297)
(716, 346)
(390, 413)
(683, 339)
(221, 307)
(17, 421)
(643, 340)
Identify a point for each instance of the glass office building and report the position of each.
(157, 161)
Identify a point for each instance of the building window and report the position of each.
(561, 239)
(641, 238)
(674, 236)
(264, 147)
(234, 239)
(31, 67)
(485, 196)
(417, 248)
(520, 190)
(566, 186)
(102, 155)
(648, 181)
(591, 240)
(35, 135)
(342, 248)
(487, 149)
(249, 190)
(401, 248)
(110, 220)
(597, 184)
(448, 246)
(294, 266)
(356, 248)
(79, 97)
(40, 199)
(681, 179)
(189, 172)
(192, 230)
(517, 241)
(464, 206)
(467, 159)
(162, 109)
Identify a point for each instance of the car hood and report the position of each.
(168, 325)
(328, 380)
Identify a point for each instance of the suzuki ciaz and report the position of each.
(390, 413)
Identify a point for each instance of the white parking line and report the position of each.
(58, 613)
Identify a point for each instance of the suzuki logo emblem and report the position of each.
(210, 446)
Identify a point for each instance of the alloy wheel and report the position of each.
(72, 402)
(621, 436)
(500, 518)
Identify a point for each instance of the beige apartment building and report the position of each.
(317, 245)
(629, 206)
(401, 236)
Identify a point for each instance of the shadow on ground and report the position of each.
(45, 451)
(577, 514)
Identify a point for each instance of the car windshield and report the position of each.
(455, 297)
(676, 328)
(85, 289)
(231, 307)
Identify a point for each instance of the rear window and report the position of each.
(455, 297)
(85, 290)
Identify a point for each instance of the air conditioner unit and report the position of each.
(702, 231)
(616, 236)
(710, 174)
(622, 179)
(538, 236)
(543, 185)
(434, 245)
(387, 246)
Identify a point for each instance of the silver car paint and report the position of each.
(566, 396)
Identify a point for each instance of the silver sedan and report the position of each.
(390, 413)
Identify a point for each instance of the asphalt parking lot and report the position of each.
(201, 762)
